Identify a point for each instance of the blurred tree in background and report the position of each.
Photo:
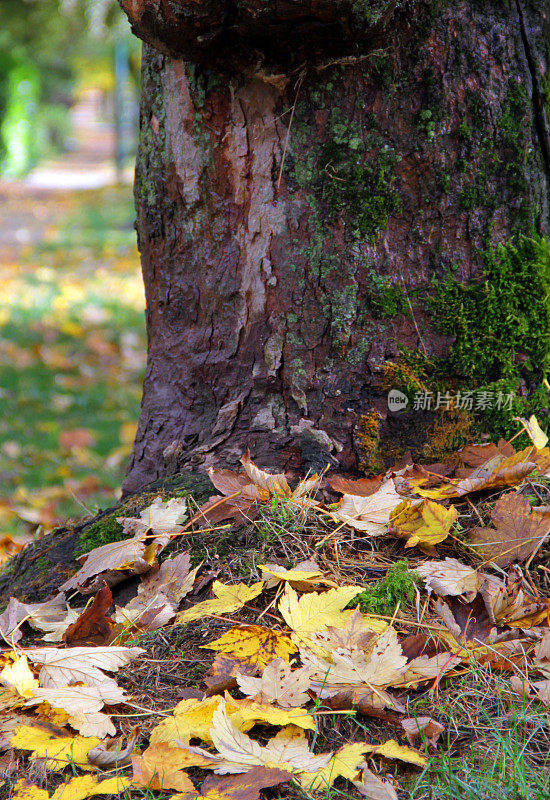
(50, 50)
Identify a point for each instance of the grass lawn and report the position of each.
(72, 355)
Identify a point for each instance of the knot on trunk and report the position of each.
(231, 33)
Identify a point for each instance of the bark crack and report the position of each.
(541, 126)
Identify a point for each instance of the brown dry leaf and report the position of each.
(357, 632)
(71, 665)
(237, 752)
(159, 594)
(113, 754)
(495, 473)
(474, 455)
(161, 518)
(467, 621)
(449, 577)
(229, 598)
(92, 626)
(363, 487)
(254, 644)
(427, 668)
(533, 690)
(424, 523)
(278, 684)
(422, 728)
(276, 484)
(518, 530)
(507, 603)
(245, 786)
(221, 675)
(113, 563)
(369, 514)
(373, 788)
(380, 665)
(52, 616)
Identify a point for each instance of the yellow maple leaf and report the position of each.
(228, 599)
(314, 611)
(251, 711)
(391, 749)
(77, 788)
(424, 523)
(343, 764)
(59, 748)
(534, 431)
(194, 718)
(18, 676)
(253, 644)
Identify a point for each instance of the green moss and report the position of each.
(382, 597)
(43, 564)
(503, 316)
(104, 531)
(355, 184)
(501, 324)
(464, 132)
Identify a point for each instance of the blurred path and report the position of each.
(29, 208)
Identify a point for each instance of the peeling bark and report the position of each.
(271, 201)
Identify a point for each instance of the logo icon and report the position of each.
(397, 401)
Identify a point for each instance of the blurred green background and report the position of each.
(72, 329)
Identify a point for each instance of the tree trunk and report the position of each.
(304, 169)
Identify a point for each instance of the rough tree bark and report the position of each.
(297, 160)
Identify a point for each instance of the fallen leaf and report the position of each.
(382, 664)
(162, 518)
(92, 626)
(156, 775)
(363, 487)
(48, 616)
(518, 530)
(77, 788)
(495, 473)
(276, 485)
(228, 599)
(343, 764)
(80, 664)
(245, 786)
(300, 579)
(533, 430)
(55, 745)
(422, 728)
(113, 563)
(19, 677)
(159, 593)
(254, 644)
(425, 523)
(449, 577)
(278, 684)
(391, 749)
(369, 514)
(373, 788)
(113, 755)
(221, 675)
(194, 718)
(314, 611)
(237, 752)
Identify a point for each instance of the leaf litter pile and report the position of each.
(304, 690)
